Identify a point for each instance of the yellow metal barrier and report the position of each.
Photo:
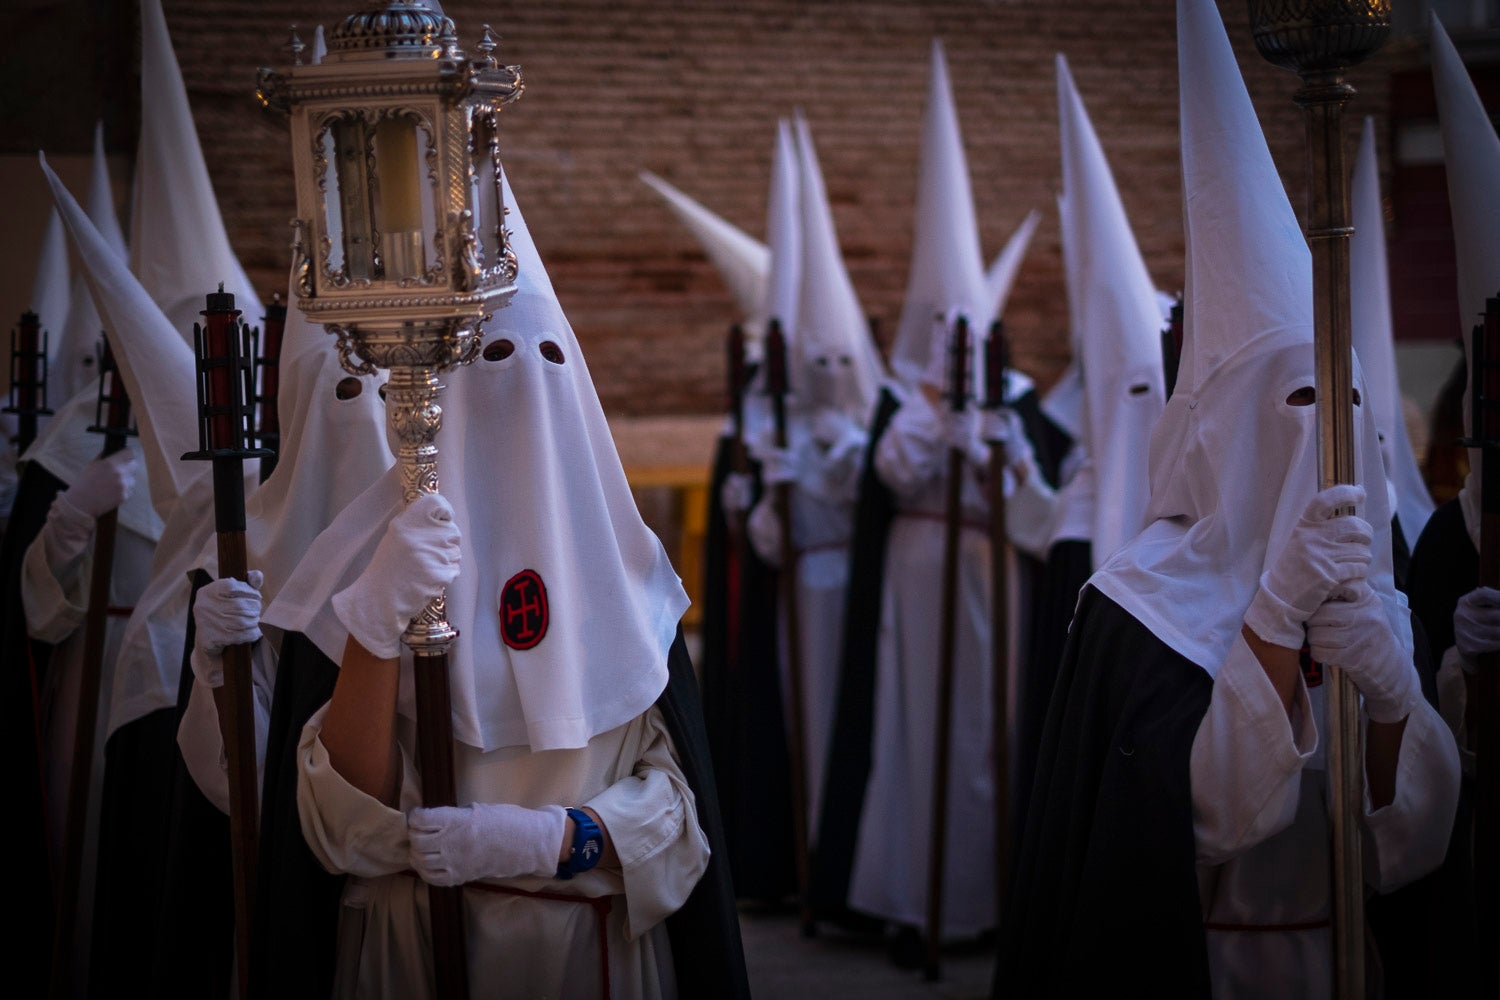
(673, 500)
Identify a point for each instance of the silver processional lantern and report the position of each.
(399, 249)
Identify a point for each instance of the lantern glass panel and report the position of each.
(404, 212)
(349, 205)
(333, 220)
(485, 200)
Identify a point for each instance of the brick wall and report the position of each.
(692, 91)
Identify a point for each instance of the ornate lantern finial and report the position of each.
(294, 46)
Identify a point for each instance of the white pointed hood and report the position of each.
(73, 360)
(743, 262)
(544, 508)
(159, 373)
(332, 449)
(1115, 327)
(1370, 321)
(179, 248)
(784, 233)
(836, 363)
(1471, 152)
(319, 47)
(1001, 276)
(1233, 460)
(49, 289)
(947, 269)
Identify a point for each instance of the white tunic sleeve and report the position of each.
(1247, 759)
(202, 743)
(1409, 837)
(347, 830)
(652, 819)
(54, 580)
(1029, 508)
(910, 452)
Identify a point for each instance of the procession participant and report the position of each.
(1177, 838)
(835, 374)
(1371, 329)
(872, 842)
(1115, 322)
(1461, 618)
(571, 691)
(139, 710)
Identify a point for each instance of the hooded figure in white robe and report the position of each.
(910, 458)
(834, 374)
(1182, 774)
(567, 608)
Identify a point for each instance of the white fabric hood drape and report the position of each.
(49, 289)
(743, 262)
(527, 461)
(832, 345)
(73, 362)
(179, 248)
(1471, 152)
(332, 449)
(1233, 464)
(1115, 328)
(159, 373)
(1370, 321)
(947, 270)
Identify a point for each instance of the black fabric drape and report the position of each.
(1104, 900)
(24, 669)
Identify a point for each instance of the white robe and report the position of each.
(822, 508)
(1260, 819)
(516, 946)
(890, 863)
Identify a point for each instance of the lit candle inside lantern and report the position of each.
(399, 170)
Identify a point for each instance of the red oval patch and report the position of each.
(523, 610)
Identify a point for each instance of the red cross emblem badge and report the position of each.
(523, 610)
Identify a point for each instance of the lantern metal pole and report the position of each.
(1320, 40)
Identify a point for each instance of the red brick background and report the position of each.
(692, 91)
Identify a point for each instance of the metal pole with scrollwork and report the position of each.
(400, 249)
(1320, 40)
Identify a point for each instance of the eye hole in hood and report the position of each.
(498, 350)
(349, 387)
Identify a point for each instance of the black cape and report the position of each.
(1436, 917)
(847, 768)
(1070, 563)
(298, 902)
(742, 704)
(1104, 896)
(25, 665)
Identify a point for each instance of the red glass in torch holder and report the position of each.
(226, 395)
(268, 361)
(28, 378)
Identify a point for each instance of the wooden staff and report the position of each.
(776, 388)
(996, 360)
(226, 416)
(958, 397)
(268, 433)
(28, 378)
(1484, 686)
(112, 419)
(1320, 40)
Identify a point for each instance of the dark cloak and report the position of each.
(25, 665)
(1070, 563)
(849, 752)
(298, 902)
(1437, 915)
(1104, 896)
(742, 704)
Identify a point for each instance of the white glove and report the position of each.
(417, 557)
(764, 528)
(451, 845)
(737, 493)
(777, 465)
(1322, 553)
(831, 428)
(1351, 631)
(1476, 624)
(103, 484)
(225, 613)
(1004, 425)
